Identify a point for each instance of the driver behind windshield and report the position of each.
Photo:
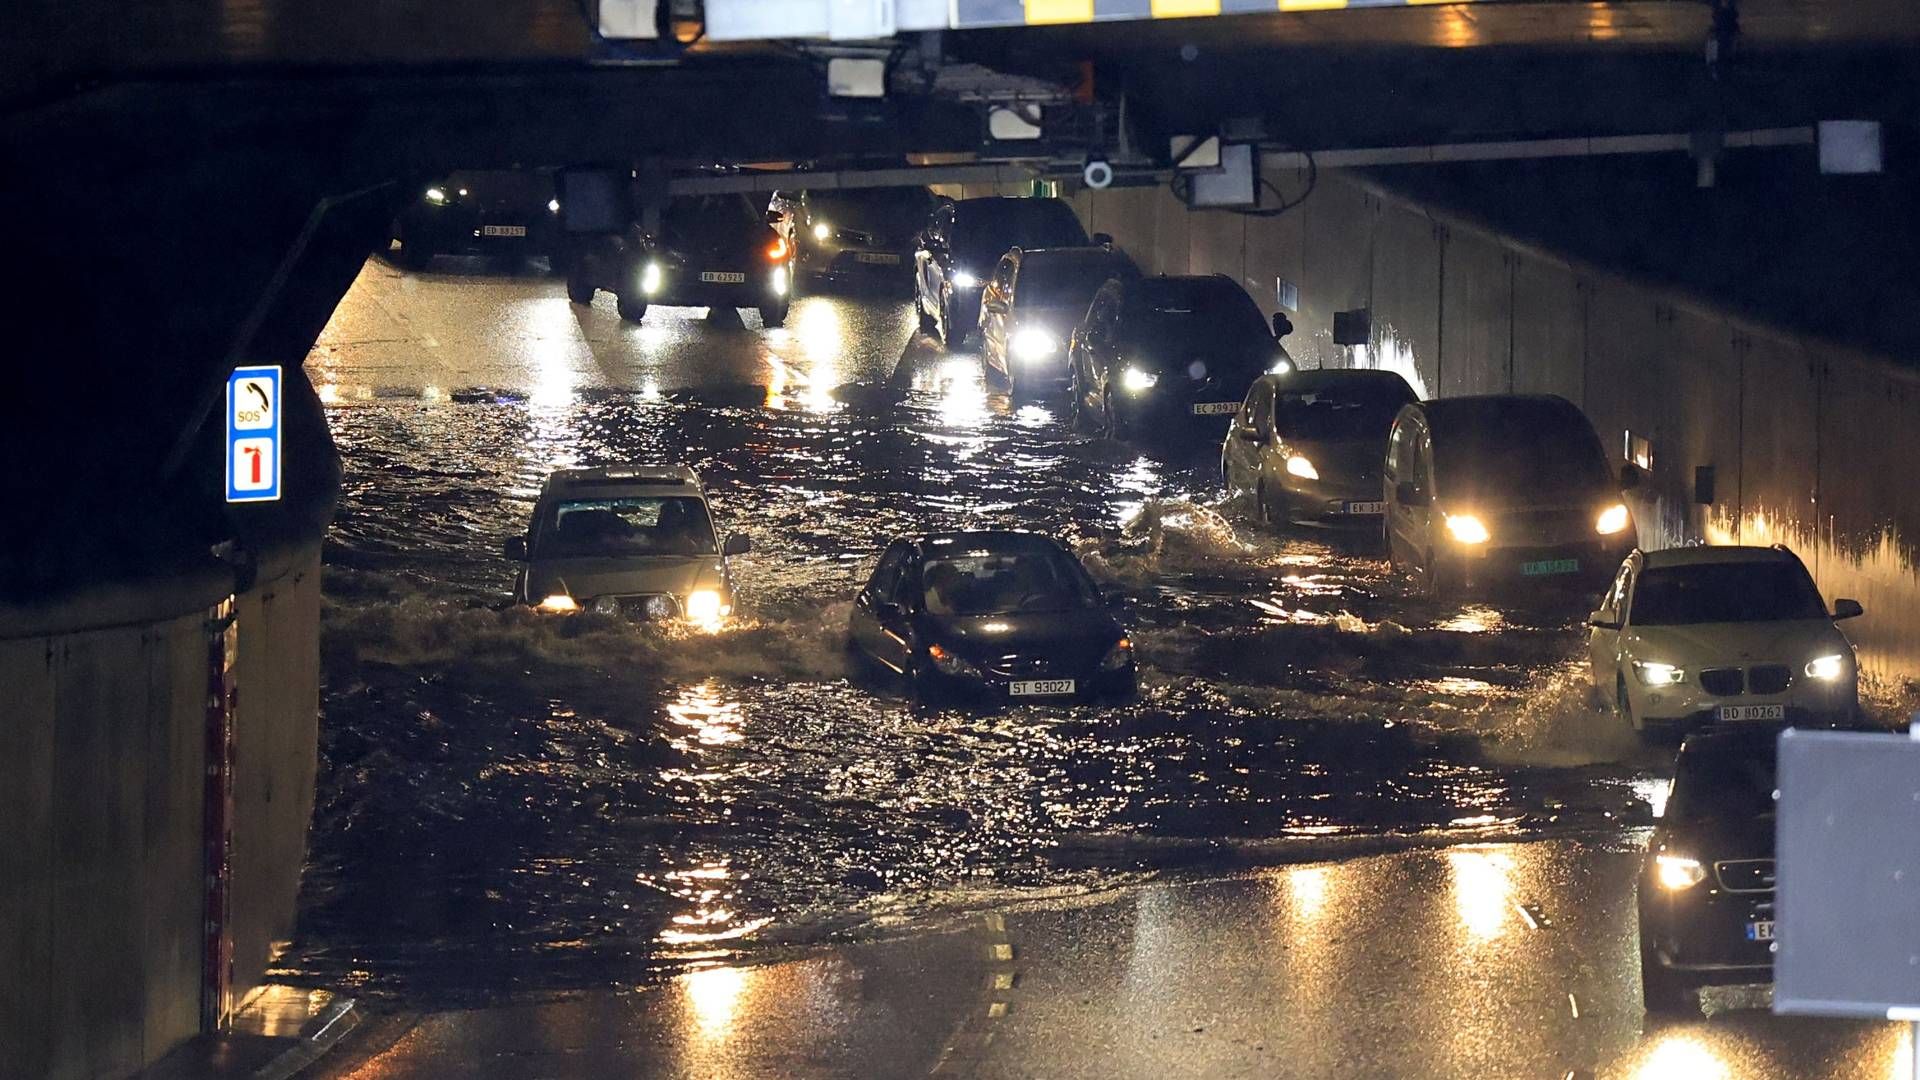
(627, 527)
(1004, 583)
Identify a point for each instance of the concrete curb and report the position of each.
(333, 1025)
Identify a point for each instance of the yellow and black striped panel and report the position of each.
(975, 13)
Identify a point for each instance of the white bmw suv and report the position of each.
(1695, 636)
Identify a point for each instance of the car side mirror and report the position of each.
(1629, 477)
(775, 217)
(1282, 326)
(1101, 239)
(1408, 495)
(887, 610)
(737, 544)
(1599, 621)
(517, 549)
(1847, 609)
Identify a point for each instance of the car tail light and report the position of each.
(779, 249)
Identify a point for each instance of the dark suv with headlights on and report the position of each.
(710, 251)
(1031, 304)
(1169, 356)
(855, 235)
(1006, 616)
(961, 245)
(636, 541)
(1706, 887)
(505, 212)
(1308, 445)
(1506, 489)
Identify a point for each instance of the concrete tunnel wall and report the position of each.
(1807, 439)
(102, 895)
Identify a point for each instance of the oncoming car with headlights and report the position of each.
(1506, 489)
(962, 243)
(633, 541)
(1307, 445)
(995, 615)
(1706, 890)
(1030, 305)
(708, 251)
(1689, 637)
(1170, 356)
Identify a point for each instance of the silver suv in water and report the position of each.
(626, 540)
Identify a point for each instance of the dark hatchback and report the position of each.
(709, 251)
(1308, 445)
(1706, 888)
(1168, 357)
(861, 234)
(499, 212)
(999, 616)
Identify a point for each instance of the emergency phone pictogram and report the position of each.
(253, 434)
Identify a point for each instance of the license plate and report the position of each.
(1040, 687)
(721, 277)
(1550, 566)
(1216, 408)
(503, 230)
(878, 258)
(1760, 931)
(1737, 713)
(1364, 508)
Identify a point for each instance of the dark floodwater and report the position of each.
(511, 804)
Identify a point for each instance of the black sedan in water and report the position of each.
(1007, 616)
(1308, 445)
(1706, 888)
(1167, 357)
(709, 251)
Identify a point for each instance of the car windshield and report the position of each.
(1519, 454)
(1003, 582)
(1725, 593)
(707, 215)
(638, 525)
(1346, 413)
(1735, 781)
(1064, 280)
(984, 233)
(1174, 320)
(874, 204)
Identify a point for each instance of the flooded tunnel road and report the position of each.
(513, 804)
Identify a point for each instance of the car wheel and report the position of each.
(1393, 550)
(1113, 425)
(1261, 515)
(927, 324)
(1077, 404)
(1432, 583)
(1623, 707)
(773, 316)
(630, 309)
(1661, 991)
(579, 289)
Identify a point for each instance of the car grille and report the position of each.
(635, 607)
(1536, 527)
(1745, 875)
(1768, 678)
(1722, 682)
(855, 236)
(1025, 667)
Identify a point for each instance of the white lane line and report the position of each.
(1573, 1004)
(1526, 916)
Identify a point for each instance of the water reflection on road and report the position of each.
(511, 803)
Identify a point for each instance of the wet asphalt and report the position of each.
(1301, 836)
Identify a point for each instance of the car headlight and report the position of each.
(946, 663)
(559, 603)
(553, 206)
(1280, 367)
(1467, 529)
(705, 605)
(1677, 872)
(1827, 667)
(1033, 344)
(437, 196)
(822, 230)
(1117, 657)
(1137, 381)
(650, 278)
(961, 279)
(605, 605)
(779, 281)
(659, 607)
(1653, 673)
(1612, 520)
(1299, 466)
